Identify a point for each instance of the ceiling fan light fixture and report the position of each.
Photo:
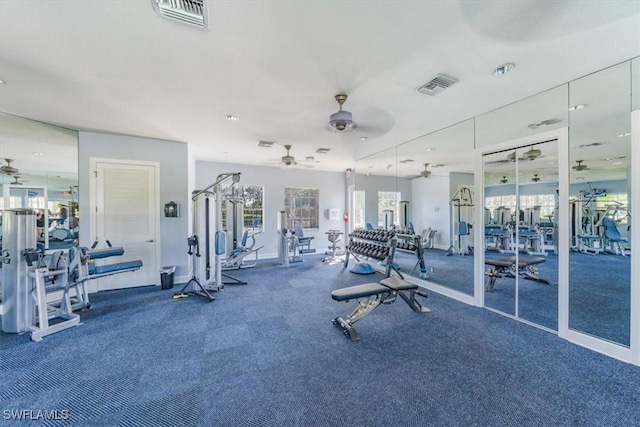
(425, 173)
(288, 159)
(342, 121)
(532, 154)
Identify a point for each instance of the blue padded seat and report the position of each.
(105, 253)
(611, 231)
(113, 268)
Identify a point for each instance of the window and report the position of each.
(547, 203)
(253, 207)
(388, 200)
(358, 209)
(301, 207)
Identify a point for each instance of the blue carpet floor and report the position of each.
(266, 354)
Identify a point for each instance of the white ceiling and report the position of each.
(116, 66)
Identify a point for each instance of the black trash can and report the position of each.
(166, 276)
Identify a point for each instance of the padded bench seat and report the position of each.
(114, 268)
(509, 261)
(105, 253)
(384, 292)
(505, 267)
(358, 291)
(397, 284)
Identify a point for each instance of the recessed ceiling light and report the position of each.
(624, 134)
(616, 163)
(503, 69)
(1, 82)
(616, 158)
(37, 153)
(231, 117)
(577, 107)
(550, 163)
(363, 138)
(431, 149)
(580, 178)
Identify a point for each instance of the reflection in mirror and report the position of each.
(520, 232)
(600, 150)
(537, 233)
(499, 220)
(440, 169)
(40, 171)
(377, 191)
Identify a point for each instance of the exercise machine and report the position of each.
(461, 217)
(207, 243)
(291, 244)
(334, 236)
(37, 290)
(236, 258)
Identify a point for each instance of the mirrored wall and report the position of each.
(600, 219)
(520, 150)
(40, 171)
(440, 170)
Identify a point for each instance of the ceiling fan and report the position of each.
(16, 180)
(288, 159)
(8, 169)
(504, 180)
(535, 178)
(342, 120)
(425, 173)
(580, 167)
(531, 154)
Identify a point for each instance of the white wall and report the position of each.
(330, 185)
(173, 160)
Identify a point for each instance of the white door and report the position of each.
(126, 215)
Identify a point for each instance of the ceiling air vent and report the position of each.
(192, 12)
(437, 85)
(265, 144)
(323, 150)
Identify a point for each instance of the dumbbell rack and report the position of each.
(372, 244)
(412, 243)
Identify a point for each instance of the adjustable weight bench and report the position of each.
(371, 295)
(506, 267)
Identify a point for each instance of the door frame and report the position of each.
(93, 203)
